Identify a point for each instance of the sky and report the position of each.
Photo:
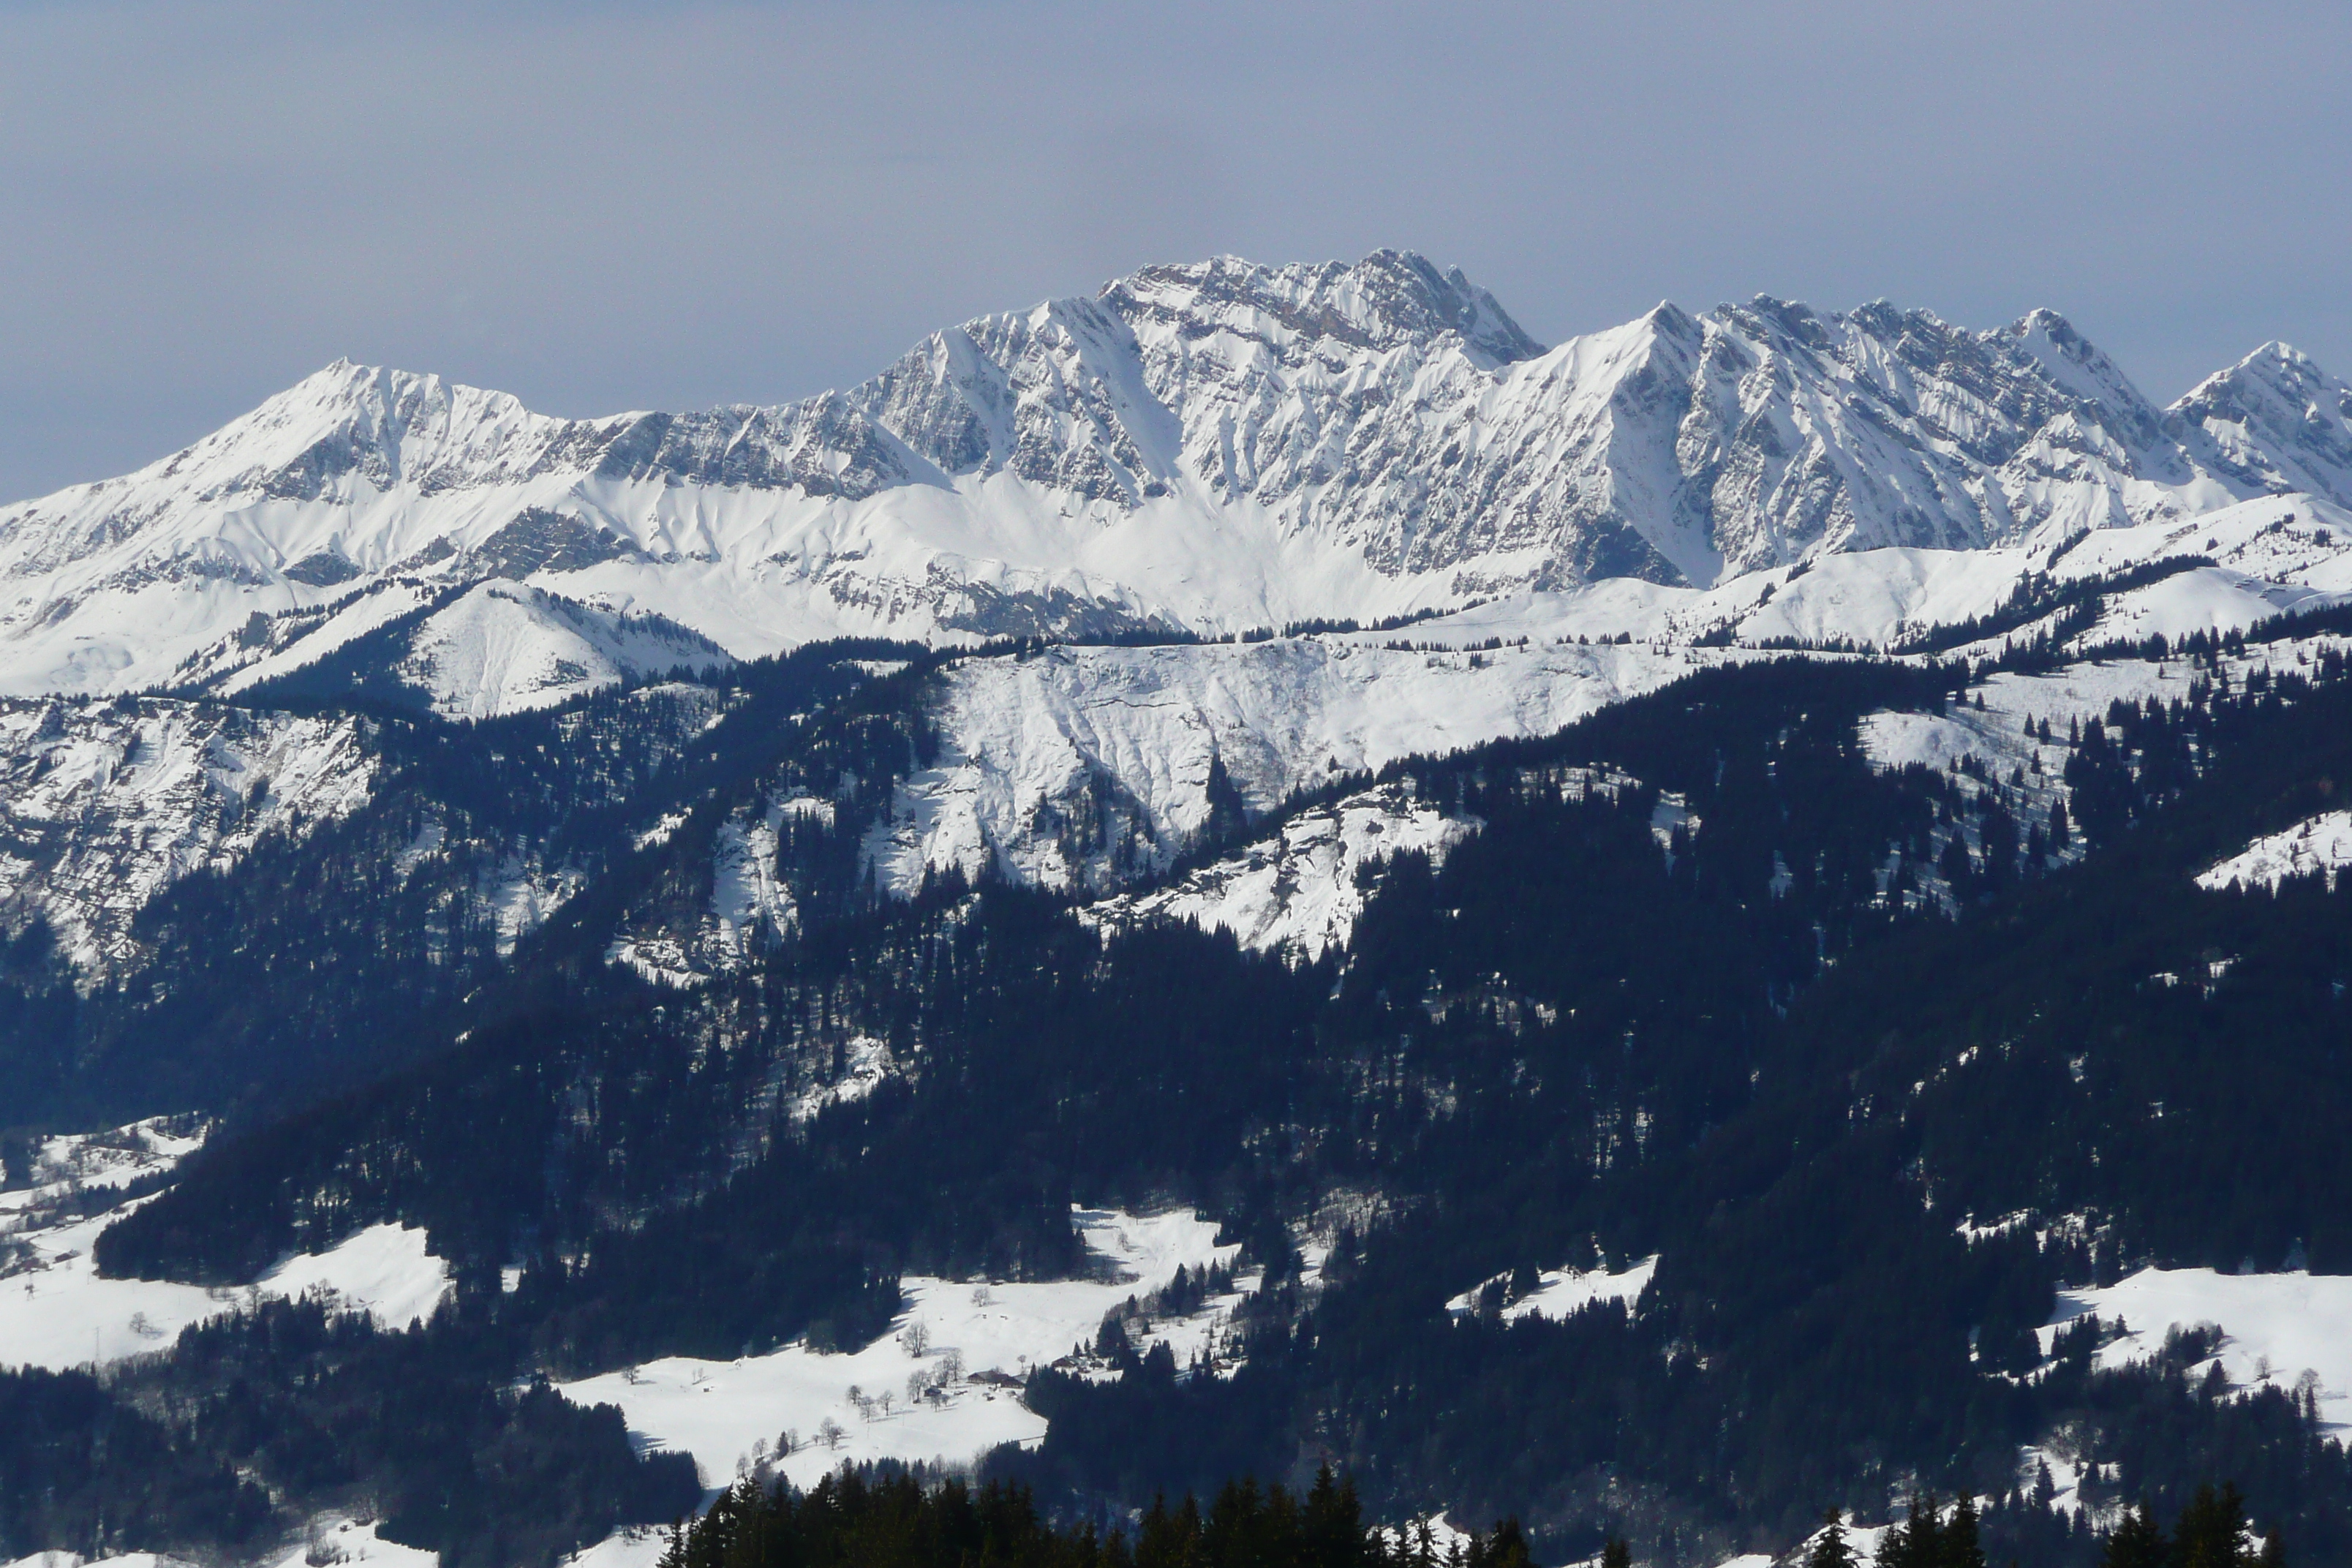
(609, 206)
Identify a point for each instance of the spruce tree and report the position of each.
(2211, 1531)
(2136, 1543)
(1831, 1549)
(1960, 1547)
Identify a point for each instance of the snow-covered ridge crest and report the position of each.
(1217, 446)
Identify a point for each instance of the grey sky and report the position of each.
(607, 206)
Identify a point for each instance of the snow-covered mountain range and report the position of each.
(1215, 447)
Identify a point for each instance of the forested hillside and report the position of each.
(1872, 1060)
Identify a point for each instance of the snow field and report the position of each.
(2317, 844)
(504, 648)
(1031, 745)
(1295, 892)
(720, 1412)
(2275, 1326)
(333, 1541)
(54, 1311)
(59, 1313)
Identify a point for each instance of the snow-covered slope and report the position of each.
(2321, 844)
(2275, 1327)
(1219, 445)
(2270, 556)
(1083, 767)
(1558, 1291)
(104, 803)
(56, 1311)
(503, 647)
(1298, 892)
(943, 1392)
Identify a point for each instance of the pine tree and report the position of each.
(1831, 1549)
(1960, 1547)
(2211, 1531)
(2136, 1543)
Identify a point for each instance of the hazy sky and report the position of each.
(607, 206)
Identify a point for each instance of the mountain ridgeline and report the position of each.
(1211, 447)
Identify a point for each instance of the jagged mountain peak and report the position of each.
(2276, 421)
(1217, 444)
(1387, 299)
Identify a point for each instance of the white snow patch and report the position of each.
(1560, 1291)
(631, 1546)
(54, 1311)
(503, 647)
(121, 1560)
(334, 1541)
(1297, 893)
(2321, 843)
(2276, 1326)
(718, 1411)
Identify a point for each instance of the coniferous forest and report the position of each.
(1580, 1041)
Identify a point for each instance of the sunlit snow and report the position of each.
(993, 1333)
(56, 1312)
(2275, 1326)
(2317, 844)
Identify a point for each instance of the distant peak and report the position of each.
(1671, 319)
(2277, 352)
(1389, 298)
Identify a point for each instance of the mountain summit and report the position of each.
(1211, 446)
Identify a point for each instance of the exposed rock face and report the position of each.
(1215, 444)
